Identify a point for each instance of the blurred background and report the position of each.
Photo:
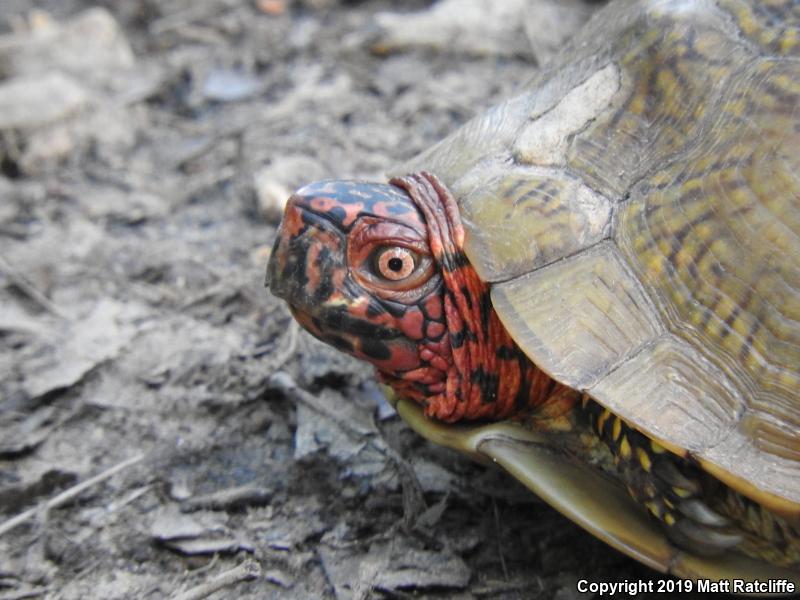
(165, 429)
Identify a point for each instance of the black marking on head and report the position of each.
(374, 308)
(341, 343)
(337, 213)
(325, 288)
(294, 269)
(375, 349)
(457, 338)
(367, 195)
(339, 319)
(395, 309)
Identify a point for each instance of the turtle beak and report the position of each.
(307, 259)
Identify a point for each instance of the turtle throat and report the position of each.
(488, 376)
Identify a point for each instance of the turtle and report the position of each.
(595, 284)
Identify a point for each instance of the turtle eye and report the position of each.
(395, 263)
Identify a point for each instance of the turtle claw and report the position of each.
(699, 512)
(701, 539)
(668, 472)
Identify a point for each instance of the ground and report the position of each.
(145, 150)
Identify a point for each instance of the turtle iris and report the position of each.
(395, 263)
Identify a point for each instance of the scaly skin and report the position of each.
(378, 271)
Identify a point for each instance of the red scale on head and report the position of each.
(412, 324)
(433, 307)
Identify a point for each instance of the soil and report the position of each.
(145, 150)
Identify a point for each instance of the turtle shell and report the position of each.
(637, 210)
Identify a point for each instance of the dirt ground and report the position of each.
(145, 150)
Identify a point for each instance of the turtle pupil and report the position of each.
(396, 264)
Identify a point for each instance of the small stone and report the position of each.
(278, 577)
(272, 8)
(549, 24)
(170, 524)
(28, 102)
(273, 183)
(271, 195)
(471, 27)
(91, 47)
(225, 85)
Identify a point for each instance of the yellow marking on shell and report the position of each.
(788, 380)
(625, 448)
(685, 256)
(725, 308)
(703, 230)
(786, 82)
(668, 502)
(696, 318)
(657, 448)
(666, 80)
(655, 266)
(704, 163)
(616, 428)
(789, 41)
(744, 17)
(644, 459)
(669, 519)
(737, 107)
(681, 492)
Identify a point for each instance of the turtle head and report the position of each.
(352, 261)
(378, 271)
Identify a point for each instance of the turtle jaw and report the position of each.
(387, 349)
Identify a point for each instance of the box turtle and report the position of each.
(596, 284)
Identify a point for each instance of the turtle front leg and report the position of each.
(673, 490)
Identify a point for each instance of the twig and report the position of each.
(279, 358)
(67, 494)
(236, 497)
(22, 594)
(30, 290)
(189, 15)
(249, 569)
